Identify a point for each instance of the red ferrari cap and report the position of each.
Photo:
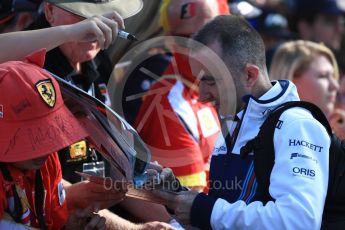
(34, 120)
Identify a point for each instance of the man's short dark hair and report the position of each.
(239, 41)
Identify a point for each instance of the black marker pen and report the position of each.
(125, 35)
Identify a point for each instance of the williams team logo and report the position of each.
(297, 155)
(47, 92)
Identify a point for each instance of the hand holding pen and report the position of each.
(126, 35)
(121, 33)
(101, 29)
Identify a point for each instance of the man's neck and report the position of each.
(263, 85)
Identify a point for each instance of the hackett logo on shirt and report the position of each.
(294, 142)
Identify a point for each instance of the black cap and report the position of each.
(271, 23)
(320, 6)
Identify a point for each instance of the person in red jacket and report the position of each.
(34, 125)
(180, 130)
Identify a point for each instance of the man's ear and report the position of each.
(48, 12)
(252, 72)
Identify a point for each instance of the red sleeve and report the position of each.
(56, 212)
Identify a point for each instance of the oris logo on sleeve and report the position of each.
(308, 173)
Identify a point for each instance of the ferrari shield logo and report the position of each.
(47, 92)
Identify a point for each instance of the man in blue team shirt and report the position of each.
(298, 186)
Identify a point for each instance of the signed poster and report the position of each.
(108, 133)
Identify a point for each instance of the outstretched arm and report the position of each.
(103, 29)
(115, 222)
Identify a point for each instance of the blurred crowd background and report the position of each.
(304, 40)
